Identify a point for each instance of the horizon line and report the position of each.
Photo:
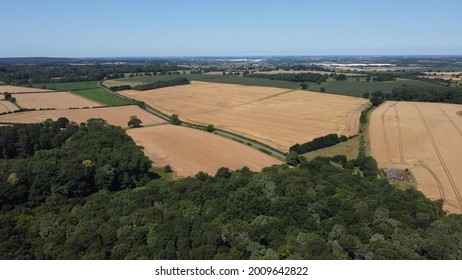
(235, 56)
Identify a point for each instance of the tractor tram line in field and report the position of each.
(437, 181)
(451, 121)
(440, 158)
(400, 141)
(384, 133)
(425, 140)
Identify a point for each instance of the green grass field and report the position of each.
(88, 90)
(352, 87)
(349, 148)
(102, 96)
(160, 171)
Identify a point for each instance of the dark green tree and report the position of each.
(175, 119)
(210, 128)
(134, 122)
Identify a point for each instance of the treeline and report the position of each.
(422, 94)
(318, 143)
(301, 67)
(66, 159)
(161, 84)
(386, 76)
(119, 88)
(445, 95)
(299, 78)
(9, 97)
(30, 74)
(318, 210)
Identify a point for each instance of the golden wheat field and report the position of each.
(189, 151)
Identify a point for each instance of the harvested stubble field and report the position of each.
(443, 75)
(113, 115)
(426, 138)
(56, 100)
(276, 117)
(189, 151)
(7, 106)
(15, 89)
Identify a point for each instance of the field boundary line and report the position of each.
(246, 103)
(440, 157)
(400, 142)
(37, 92)
(348, 121)
(384, 133)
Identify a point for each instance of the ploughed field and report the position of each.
(426, 138)
(113, 115)
(276, 117)
(189, 151)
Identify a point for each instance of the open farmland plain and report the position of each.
(189, 151)
(426, 138)
(113, 115)
(276, 117)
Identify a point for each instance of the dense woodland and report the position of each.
(421, 94)
(318, 143)
(30, 74)
(71, 195)
(39, 160)
(161, 84)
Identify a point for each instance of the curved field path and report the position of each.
(426, 138)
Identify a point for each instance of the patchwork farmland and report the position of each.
(276, 117)
(33, 98)
(426, 138)
(189, 151)
(113, 115)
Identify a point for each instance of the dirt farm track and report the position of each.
(426, 138)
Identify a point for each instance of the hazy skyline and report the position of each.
(231, 28)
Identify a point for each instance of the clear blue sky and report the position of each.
(82, 28)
